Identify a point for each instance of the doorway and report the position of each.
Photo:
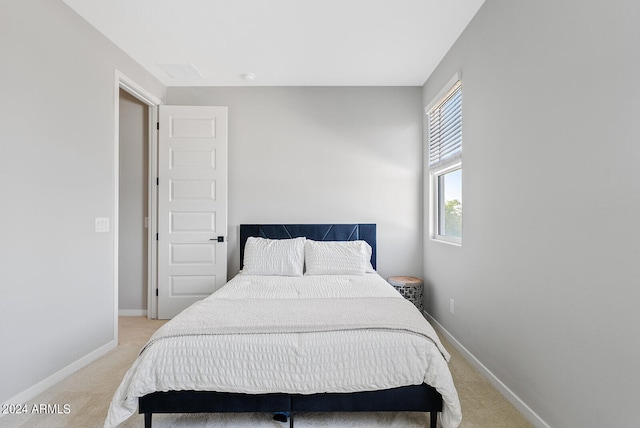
(133, 215)
(125, 85)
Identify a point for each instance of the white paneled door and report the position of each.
(192, 205)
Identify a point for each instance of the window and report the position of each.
(449, 193)
(445, 164)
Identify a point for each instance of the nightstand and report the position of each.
(410, 287)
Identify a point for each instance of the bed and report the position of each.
(334, 337)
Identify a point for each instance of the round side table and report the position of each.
(410, 287)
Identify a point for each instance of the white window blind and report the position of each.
(445, 127)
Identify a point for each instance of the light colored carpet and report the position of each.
(88, 392)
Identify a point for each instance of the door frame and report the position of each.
(131, 87)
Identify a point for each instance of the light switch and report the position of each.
(102, 224)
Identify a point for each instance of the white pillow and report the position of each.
(337, 257)
(284, 257)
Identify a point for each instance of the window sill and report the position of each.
(455, 243)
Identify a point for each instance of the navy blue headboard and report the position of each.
(317, 232)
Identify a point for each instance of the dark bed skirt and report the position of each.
(414, 398)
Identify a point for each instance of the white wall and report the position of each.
(325, 155)
(133, 185)
(546, 283)
(57, 175)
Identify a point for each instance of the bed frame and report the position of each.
(412, 398)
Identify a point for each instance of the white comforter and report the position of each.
(183, 357)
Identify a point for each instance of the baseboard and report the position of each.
(132, 312)
(528, 413)
(37, 389)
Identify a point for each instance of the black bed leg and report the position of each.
(291, 420)
(147, 420)
(433, 417)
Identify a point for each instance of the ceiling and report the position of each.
(283, 42)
